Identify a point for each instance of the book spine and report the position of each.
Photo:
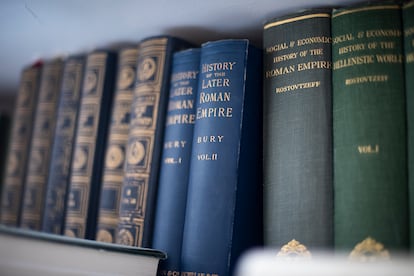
(146, 131)
(21, 132)
(113, 172)
(40, 148)
(408, 29)
(222, 213)
(59, 169)
(297, 123)
(84, 185)
(369, 128)
(176, 154)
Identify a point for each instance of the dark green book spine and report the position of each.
(18, 152)
(408, 28)
(40, 148)
(113, 172)
(297, 127)
(369, 129)
(145, 137)
(67, 113)
(91, 132)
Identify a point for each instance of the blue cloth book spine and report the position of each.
(82, 201)
(175, 161)
(59, 172)
(223, 213)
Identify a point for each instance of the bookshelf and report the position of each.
(44, 29)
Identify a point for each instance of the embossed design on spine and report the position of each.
(67, 113)
(369, 250)
(294, 250)
(113, 173)
(85, 145)
(20, 135)
(140, 147)
(40, 149)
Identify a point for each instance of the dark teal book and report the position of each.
(369, 130)
(145, 138)
(224, 211)
(59, 169)
(113, 171)
(297, 127)
(19, 146)
(41, 145)
(89, 146)
(408, 32)
(175, 161)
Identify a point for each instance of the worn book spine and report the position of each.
(175, 161)
(40, 148)
(59, 169)
(21, 133)
(223, 213)
(408, 31)
(145, 137)
(297, 125)
(369, 129)
(91, 132)
(113, 171)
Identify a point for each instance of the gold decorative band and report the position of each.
(303, 17)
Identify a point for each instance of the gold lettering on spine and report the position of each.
(297, 55)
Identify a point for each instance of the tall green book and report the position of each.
(41, 145)
(21, 133)
(408, 29)
(297, 127)
(369, 130)
(113, 171)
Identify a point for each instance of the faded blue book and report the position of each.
(145, 137)
(40, 147)
(19, 146)
(175, 161)
(223, 214)
(59, 172)
(89, 146)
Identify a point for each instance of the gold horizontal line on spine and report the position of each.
(392, 7)
(408, 5)
(299, 18)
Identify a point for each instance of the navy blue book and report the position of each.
(175, 161)
(223, 214)
(113, 171)
(59, 170)
(89, 147)
(40, 147)
(19, 146)
(145, 137)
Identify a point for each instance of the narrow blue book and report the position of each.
(175, 160)
(61, 156)
(223, 214)
(82, 201)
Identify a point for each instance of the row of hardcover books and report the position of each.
(206, 151)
